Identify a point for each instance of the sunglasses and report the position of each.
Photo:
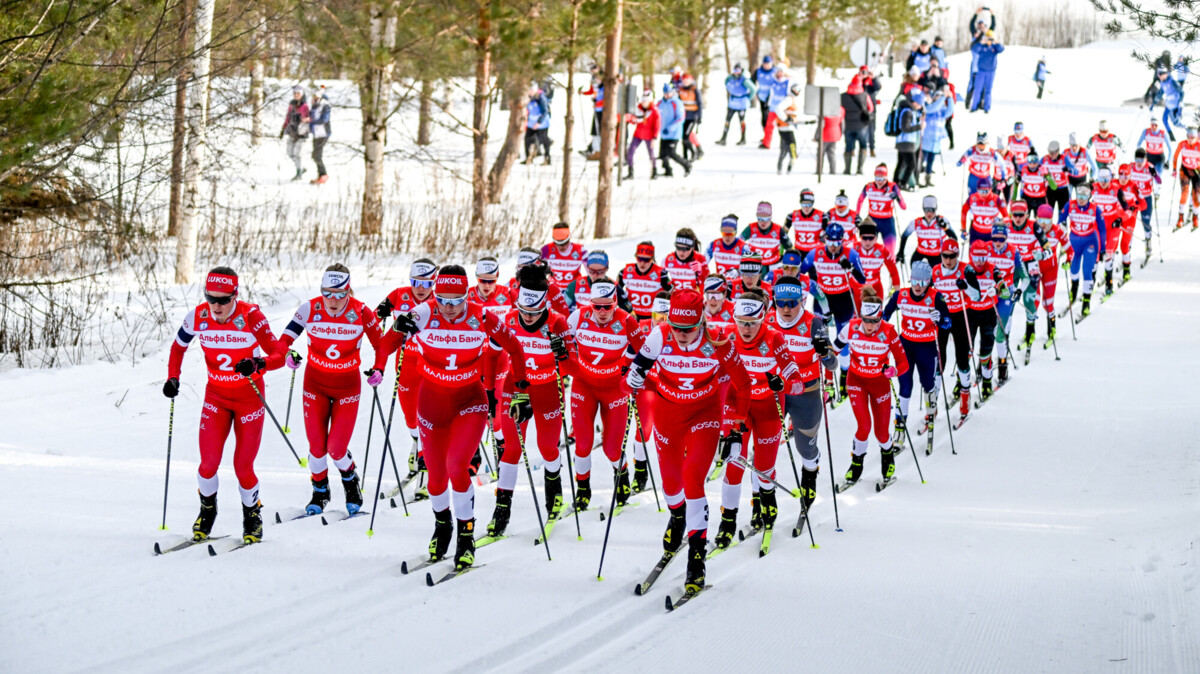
(949, 256)
(486, 281)
(645, 259)
(451, 302)
(868, 237)
(422, 283)
(222, 301)
(603, 307)
(745, 323)
(335, 294)
(787, 304)
(931, 210)
(687, 331)
(871, 321)
(682, 249)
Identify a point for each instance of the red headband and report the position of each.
(221, 283)
(451, 284)
(645, 250)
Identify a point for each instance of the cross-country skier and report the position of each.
(563, 256)
(930, 229)
(807, 223)
(1148, 180)
(981, 162)
(238, 347)
(1034, 182)
(726, 251)
(641, 280)
(1124, 223)
(833, 267)
(718, 308)
(1079, 157)
(579, 292)
(1089, 233)
(1154, 145)
(875, 258)
(842, 214)
(686, 267)
(765, 237)
(1105, 145)
(336, 323)
(1186, 166)
(981, 315)
(750, 277)
(1109, 197)
(1058, 168)
(919, 311)
(982, 209)
(879, 195)
(956, 283)
(1011, 282)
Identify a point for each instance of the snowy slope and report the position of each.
(1061, 538)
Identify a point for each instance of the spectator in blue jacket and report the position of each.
(919, 57)
(908, 143)
(987, 50)
(762, 79)
(1039, 75)
(319, 126)
(671, 113)
(740, 90)
(937, 111)
(537, 124)
(938, 51)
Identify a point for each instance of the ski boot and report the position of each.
(498, 443)
(1179, 222)
(621, 484)
(320, 497)
(756, 517)
(1125, 273)
(1003, 370)
(554, 497)
(1108, 282)
(629, 173)
(727, 528)
(464, 554)
(1195, 222)
(1073, 293)
(1030, 333)
(769, 507)
(743, 140)
(443, 528)
(887, 463)
(901, 427)
(842, 385)
(641, 475)
(1050, 332)
(354, 499)
(695, 569)
(808, 486)
(985, 390)
(252, 523)
(722, 140)
(856, 468)
(676, 529)
(202, 527)
(964, 402)
(583, 493)
(499, 523)
(1087, 307)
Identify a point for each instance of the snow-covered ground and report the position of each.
(1062, 538)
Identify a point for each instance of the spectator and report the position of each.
(537, 124)
(762, 79)
(871, 87)
(988, 50)
(919, 57)
(908, 143)
(671, 112)
(295, 127)
(693, 109)
(982, 21)
(911, 81)
(829, 134)
(319, 126)
(787, 117)
(596, 91)
(677, 76)
(937, 113)
(780, 87)
(648, 124)
(932, 80)
(858, 109)
(938, 51)
(1181, 69)
(1039, 76)
(739, 90)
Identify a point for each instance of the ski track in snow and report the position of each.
(1062, 537)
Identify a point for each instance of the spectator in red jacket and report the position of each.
(831, 132)
(648, 126)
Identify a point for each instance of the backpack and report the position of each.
(891, 126)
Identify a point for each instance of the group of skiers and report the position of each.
(302, 121)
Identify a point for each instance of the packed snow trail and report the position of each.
(1061, 538)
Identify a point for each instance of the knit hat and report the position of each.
(687, 307)
(764, 209)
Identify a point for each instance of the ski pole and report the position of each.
(740, 461)
(787, 437)
(167, 481)
(537, 508)
(829, 450)
(971, 350)
(642, 439)
(370, 427)
(387, 446)
(613, 505)
(562, 406)
(387, 449)
(287, 417)
(1157, 229)
(303, 462)
(911, 447)
(946, 398)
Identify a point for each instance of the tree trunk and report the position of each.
(257, 95)
(376, 103)
(693, 53)
(564, 193)
(517, 95)
(725, 39)
(779, 47)
(752, 23)
(648, 73)
(197, 143)
(483, 67)
(178, 141)
(608, 125)
(424, 111)
(814, 38)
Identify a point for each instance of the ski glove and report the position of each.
(250, 366)
(821, 346)
(846, 264)
(935, 317)
(962, 284)
(171, 387)
(635, 379)
(889, 372)
(491, 402)
(384, 309)
(729, 443)
(293, 360)
(405, 323)
(374, 377)
(559, 348)
(665, 281)
(775, 382)
(521, 410)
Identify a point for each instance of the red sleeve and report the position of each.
(371, 325)
(899, 196)
(897, 353)
(175, 361)
(388, 345)
(637, 333)
(783, 357)
(861, 195)
(558, 301)
(893, 271)
(273, 348)
(966, 207)
(490, 359)
(732, 365)
(507, 341)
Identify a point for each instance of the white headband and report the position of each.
(871, 308)
(421, 269)
(528, 298)
(335, 280)
(662, 305)
(487, 267)
(749, 309)
(527, 257)
(604, 290)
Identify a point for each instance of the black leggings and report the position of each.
(1058, 199)
(689, 128)
(962, 352)
(983, 336)
(906, 168)
(787, 148)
